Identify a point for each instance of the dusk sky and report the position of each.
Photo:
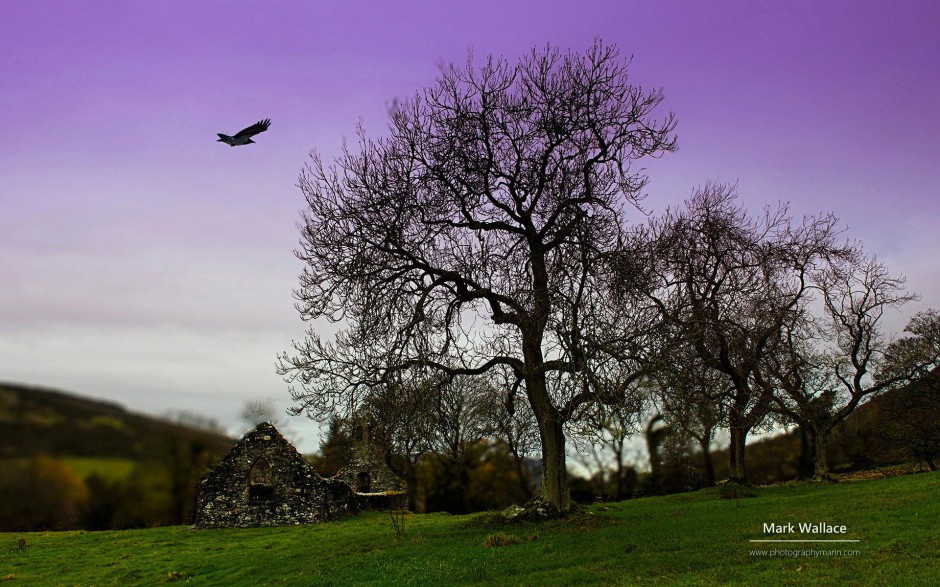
(143, 262)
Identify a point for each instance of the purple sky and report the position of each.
(143, 262)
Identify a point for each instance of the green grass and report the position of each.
(109, 469)
(686, 539)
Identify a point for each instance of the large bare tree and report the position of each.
(727, 283)
(825, 365)
(474, 237)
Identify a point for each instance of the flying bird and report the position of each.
(243, 137)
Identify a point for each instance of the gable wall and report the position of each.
(300, 495)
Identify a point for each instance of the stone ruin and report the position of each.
(264, 481)
(374, 484)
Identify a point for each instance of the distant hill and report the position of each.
(69, 462)
(36, 421)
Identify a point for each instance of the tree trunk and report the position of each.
(707, 460)
(807, 453)
(820, 458)
(554, 471)
(523, 474)
(736, 470)
(412, 481)
(654, 440)
(620, 489)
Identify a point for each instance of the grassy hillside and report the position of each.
(73, 462)
(684, 539)
(108, 469)
(37, 421)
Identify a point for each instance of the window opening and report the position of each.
(260, 482)
(363, 483)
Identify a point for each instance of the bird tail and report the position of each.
(223, 138)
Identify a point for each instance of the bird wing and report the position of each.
(254, 129)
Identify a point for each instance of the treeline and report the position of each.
(851, 399)
(44, 492)
(901, 426)
(457, 446)
(461, 452)
(68, 462)
(459, 462)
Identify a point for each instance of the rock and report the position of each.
(534, 510)
(513, 511)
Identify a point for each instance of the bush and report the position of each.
(41, 493)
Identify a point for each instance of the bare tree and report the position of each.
(604, 427)
(915, 409)
(257, 411)
(825, 368)
(691, 401)
(913, 421)
(916, 356)
(727, 283)
(514, 425)
(457, 411)
(475, 237)
(605, 432)
(401, 418)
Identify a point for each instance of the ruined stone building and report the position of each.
(375, 485)
(264, 481)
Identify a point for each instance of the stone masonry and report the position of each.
(264, 481)
(375, 486)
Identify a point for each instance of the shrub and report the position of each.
(500, 539)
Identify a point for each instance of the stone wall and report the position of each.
(367, 472)
(264, 481)
(389, 500)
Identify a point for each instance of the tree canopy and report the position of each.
(476, 237)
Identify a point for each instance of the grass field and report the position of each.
(109, 469)
(685, 539)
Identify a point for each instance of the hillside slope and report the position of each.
(37, 421)
(68, 462)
